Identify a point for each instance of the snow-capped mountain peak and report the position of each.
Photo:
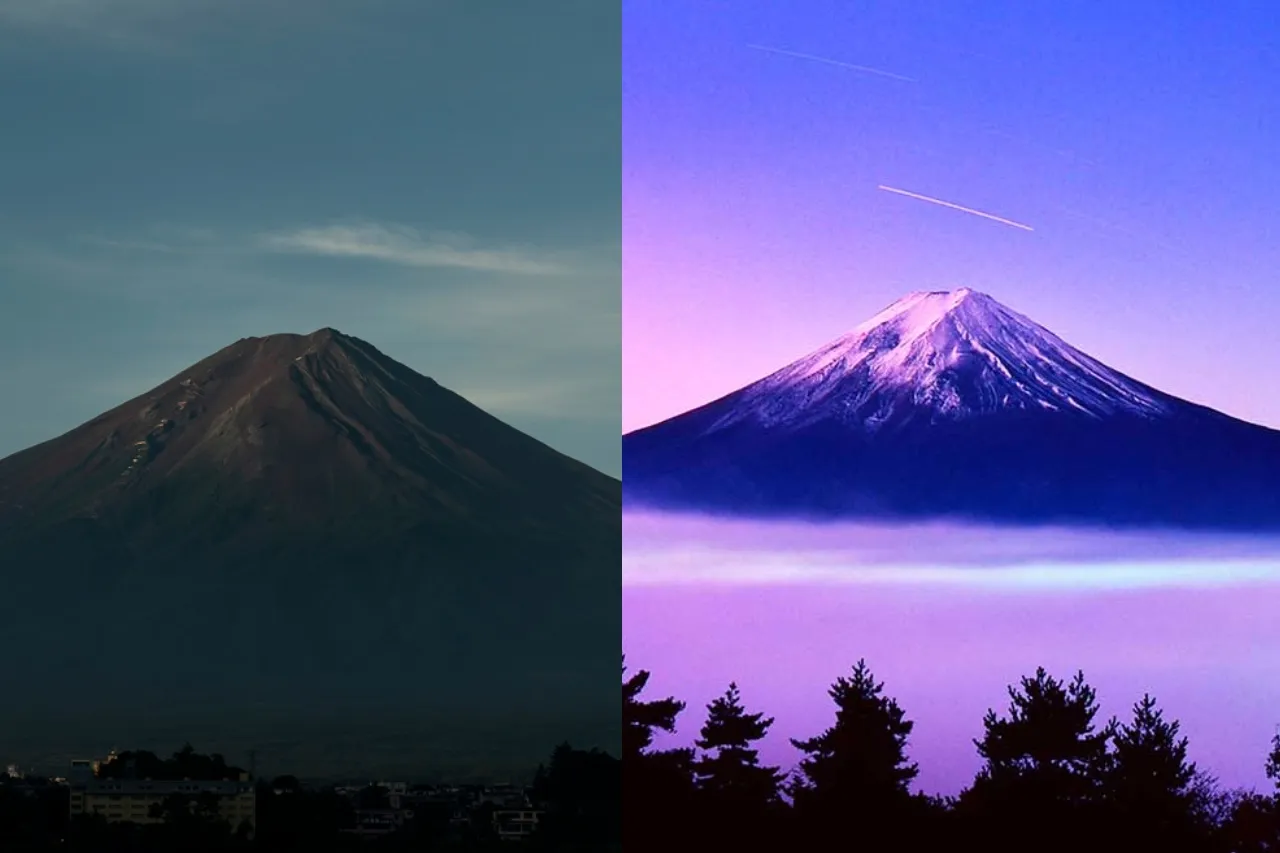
(916, 312)
(941, 355)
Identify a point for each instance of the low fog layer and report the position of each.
(665, 549)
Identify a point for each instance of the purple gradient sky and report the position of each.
(1136, 139)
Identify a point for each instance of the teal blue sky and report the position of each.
(438, 177)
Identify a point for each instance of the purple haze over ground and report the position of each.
(948, 616)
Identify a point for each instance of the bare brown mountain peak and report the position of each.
(283, 345)
(323, 337)
(256, 365)
(316, 427)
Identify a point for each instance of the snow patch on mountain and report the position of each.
(942, 355)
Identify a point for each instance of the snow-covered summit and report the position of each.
(942, 355)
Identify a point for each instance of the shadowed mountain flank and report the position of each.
(300, 523)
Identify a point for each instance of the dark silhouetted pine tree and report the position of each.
(740, 795)
(1045, 764)
(1049, 732)
(1150, 784)
(658, 784)
(857, 773)
(730, 766)
(641, 719)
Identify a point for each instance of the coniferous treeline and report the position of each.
(1054, 777)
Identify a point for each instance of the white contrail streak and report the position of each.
(939, 201)
(837, 63)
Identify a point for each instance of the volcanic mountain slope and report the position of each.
(949, 404)
(301, 523)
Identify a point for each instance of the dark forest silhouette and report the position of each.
(1054, 777)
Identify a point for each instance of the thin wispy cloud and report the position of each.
(394, 245)
(407, 247)
(954, 206)
(865, 69)
(390, 243)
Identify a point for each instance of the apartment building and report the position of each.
(131, 800)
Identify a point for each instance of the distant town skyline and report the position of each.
(1134, 144)
(430, 177)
